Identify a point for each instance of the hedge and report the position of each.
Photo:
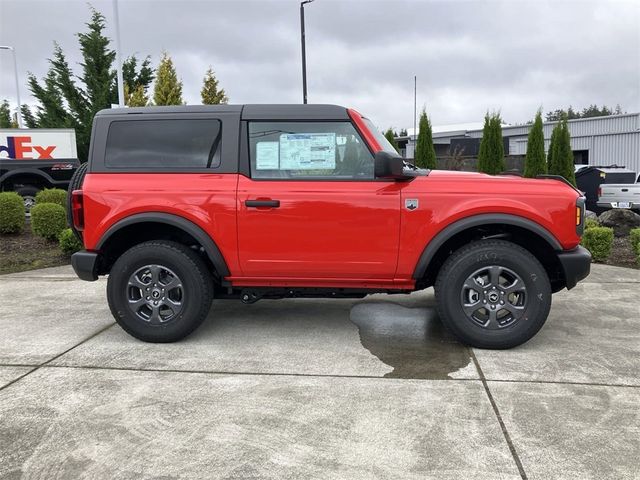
(11, 212)
(68, 242)
(591, 223)
(634, 237)
(598, 240)
(52, 195)
(48, 220)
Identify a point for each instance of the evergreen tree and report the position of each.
(210, 93)
(491, 153)
(69, 101)
(425, 154)
(391, 137)
(551, 153)
(168, 89)
(27, 117)
(133, 77)
(135, 98)
(63, 103)
(5, 115)
(136, 81)
(535, 162)
(563, 156)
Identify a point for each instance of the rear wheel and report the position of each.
(28, 194)
(493, 294)
(159, 291)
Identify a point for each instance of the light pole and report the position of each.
(118, 57)
(15, 69)
(304, 53)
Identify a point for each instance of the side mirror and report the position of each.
(390, 167)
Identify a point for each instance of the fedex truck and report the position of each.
(34, 159)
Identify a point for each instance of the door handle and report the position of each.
(262, 203)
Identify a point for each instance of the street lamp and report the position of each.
(118, 57)
(304, 55)
(15, 69)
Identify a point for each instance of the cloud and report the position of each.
(468, 56)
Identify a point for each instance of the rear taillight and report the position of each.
(77, 210)
(580, 215)
(599, 191)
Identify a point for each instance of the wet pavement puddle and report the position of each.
(411, 340)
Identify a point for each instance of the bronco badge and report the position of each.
(411, 203)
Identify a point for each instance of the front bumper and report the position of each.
(576, 265)
(85, 265)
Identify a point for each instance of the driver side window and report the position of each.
(308, 151)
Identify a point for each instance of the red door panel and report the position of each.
(319, 229)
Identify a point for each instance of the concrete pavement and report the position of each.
(316, 388)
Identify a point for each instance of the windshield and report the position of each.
(380, 138)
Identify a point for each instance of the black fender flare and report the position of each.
(210, 247)
(475, 221)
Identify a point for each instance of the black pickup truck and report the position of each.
(31, 160)
(28, 177)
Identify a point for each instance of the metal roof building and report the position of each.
(609, 140)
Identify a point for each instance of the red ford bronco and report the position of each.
(180, 205)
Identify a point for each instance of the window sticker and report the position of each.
(267, 156)
(307, 151)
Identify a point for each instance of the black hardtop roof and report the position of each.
(249, 112)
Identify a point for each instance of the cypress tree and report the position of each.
(168, 89)
(425, 156)
(564, 155)
(27, 117)
(135, 98)
(535, 162)
(5, 115)
(551, 154)
(210, 93)
(390, 136)
(67, 100)
(491, 153)
(133, 77)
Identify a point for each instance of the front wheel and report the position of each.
(159, 291)
(493, 294)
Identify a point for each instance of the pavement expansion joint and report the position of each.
(503, 427)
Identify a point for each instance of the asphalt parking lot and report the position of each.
(316, 389)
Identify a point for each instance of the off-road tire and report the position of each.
(75, 184)
(450, 293)
(28, 194)
(194, 277)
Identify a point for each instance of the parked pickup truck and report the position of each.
(33, 159)
(619, 195)
(180, 205)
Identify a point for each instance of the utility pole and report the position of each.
(304, 52)
(415, 113)
(15, 70)
(118, 57)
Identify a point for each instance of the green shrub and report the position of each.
(48, 220)
(52, 195)
(598, 240)
(11, 212)
(590, 223)
(68, 242)
(634, 237)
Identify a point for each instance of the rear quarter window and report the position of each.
(163, 144)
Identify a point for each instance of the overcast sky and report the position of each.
(468, 56)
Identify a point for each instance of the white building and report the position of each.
(609, 140)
